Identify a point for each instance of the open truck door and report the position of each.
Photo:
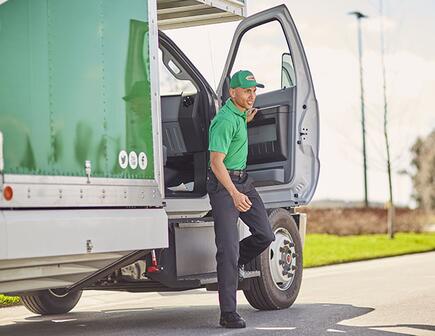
(283, 154)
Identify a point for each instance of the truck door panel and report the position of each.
(269, 135)
(283, 137)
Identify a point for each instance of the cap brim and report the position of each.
(248, 85)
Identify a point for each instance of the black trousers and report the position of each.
(230, 252)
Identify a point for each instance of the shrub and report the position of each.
(355, 221)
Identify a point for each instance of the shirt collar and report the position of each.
(229, 103)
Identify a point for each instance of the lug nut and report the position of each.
(284, 249)
(289, 243)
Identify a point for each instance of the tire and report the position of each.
(48, 303)
(273, 290)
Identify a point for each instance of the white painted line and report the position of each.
(276, 328)
(61, 321)
(335, 331)
(127, 310)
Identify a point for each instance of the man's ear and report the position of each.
(232, 93)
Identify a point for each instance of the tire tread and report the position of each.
(44, 303)
(258, 294)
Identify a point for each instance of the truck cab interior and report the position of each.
(186, 110)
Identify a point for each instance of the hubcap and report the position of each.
(283, 257)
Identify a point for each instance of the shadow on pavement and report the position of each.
(301, 319)
(412, 326)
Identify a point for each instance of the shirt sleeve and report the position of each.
(220, 136)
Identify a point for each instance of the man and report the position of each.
(232, 194)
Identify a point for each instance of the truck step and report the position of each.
(210, 278)
(250, 274)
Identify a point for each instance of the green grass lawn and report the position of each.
(8, 300)
(323, 249)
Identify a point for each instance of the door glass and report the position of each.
(261, 51)
(288, 78)
(169, 84)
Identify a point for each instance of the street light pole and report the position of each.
(391, 210)
(360, 16)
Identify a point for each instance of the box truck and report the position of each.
(104, 150)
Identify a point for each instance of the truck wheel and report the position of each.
(280, 266)
(47, 302)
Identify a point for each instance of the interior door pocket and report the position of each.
(268, 135)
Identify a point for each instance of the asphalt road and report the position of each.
(393, 296)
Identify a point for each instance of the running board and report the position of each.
(210, 278)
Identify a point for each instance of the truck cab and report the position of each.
(116, 193)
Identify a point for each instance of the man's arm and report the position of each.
(241, 201)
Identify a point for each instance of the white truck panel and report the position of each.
(45, 233)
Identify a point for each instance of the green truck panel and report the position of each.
(75, 86)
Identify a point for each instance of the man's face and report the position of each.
(244, 98)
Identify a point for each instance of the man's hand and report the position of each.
(251, 114)
(241, 201)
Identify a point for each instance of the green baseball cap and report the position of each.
(244, 79)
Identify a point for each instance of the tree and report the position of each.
(423, 161)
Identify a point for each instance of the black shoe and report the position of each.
(232, 320)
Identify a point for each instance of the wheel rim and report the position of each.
(282, 263)
(58, 292)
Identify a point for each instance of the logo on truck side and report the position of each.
(143, 161)
(132, 159)
(123, 159)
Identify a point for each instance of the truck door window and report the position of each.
(169, 83)
(288, 77)
(261, 51)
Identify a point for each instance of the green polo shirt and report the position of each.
(228, 134)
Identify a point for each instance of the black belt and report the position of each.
(238, 173)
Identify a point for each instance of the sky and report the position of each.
(329, 36)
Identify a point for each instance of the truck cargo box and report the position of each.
(79, 125)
